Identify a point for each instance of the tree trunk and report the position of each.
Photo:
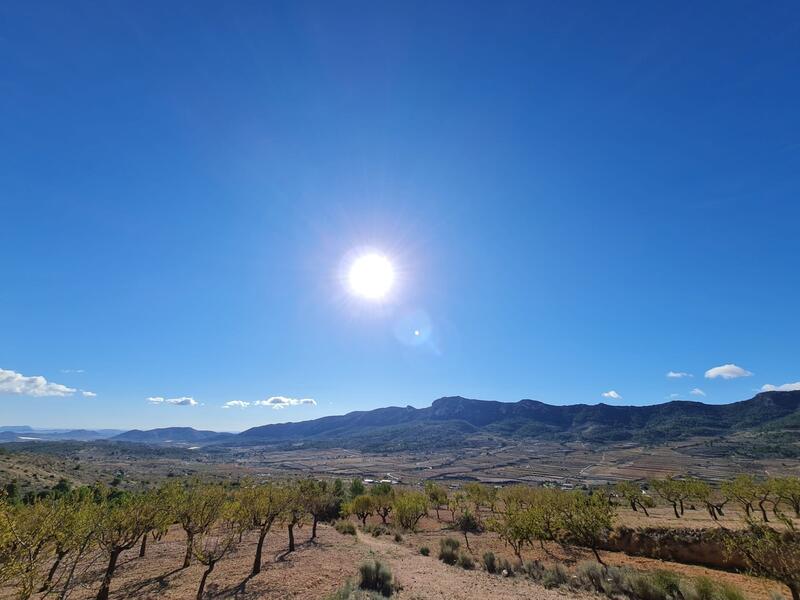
(763, 511)
(675, 508)
(681, 507)
(187, 559)
(60, 554)
(364, 520)
(102, 594)
(466, 540)
(203, 580)
(314, 528)
(262, 534)
(597, 555)
(291, 537)
(633, 506)
(383, 516)
(71, 574)
(437, 513)
(143, 547)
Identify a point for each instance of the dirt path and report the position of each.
(427, 578)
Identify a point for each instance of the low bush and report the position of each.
(555, 576)
(448, 550)
(345, 527)
(465, 561)
(704, 588)
(533, 569)
(377, 577)
(398, 538)
(351, 592)
(425, 551)
(490, 562)
(505, 568)
(375, 530)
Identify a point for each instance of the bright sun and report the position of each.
(371, 276)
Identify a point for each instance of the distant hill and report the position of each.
(171, 435)
(22, 433)
(455, 420)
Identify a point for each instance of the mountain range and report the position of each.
(454, 421)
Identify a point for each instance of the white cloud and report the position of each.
(236, 404)
(786, 387)
(673, 396)
(697, 392)
(278, 402)
(182, 401)
(73, 371)
(88, 394)
(12, 382)
(729, 371)
(678, 374)
(613, 394)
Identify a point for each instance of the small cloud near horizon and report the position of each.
(182, 401)
(37, 386)
(785, 387)
(88, 394)
(275, 402)
(678, 374)
(612, 394)
(729, 371)
(236, 404)
(278, 402)
(697, 392)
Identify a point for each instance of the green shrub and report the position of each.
(425, 551)
(465, 561)
(592, 576)
(704, 588)
(505, 567)
(345, 527)
(375, 530)
(555, 576)
(490, 562)
(377, 577)
(533, 569)
(448, 550)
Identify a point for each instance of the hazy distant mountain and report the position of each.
(453, 420)
(22, 433)
(171, 435)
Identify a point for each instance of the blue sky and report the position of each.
(576, 198)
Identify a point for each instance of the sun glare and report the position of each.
(371, 276)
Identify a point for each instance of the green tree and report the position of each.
(383, 500)
(357, 488)
(362, 507)
(742, 490)
(587, 518)
(769, 552)
(437, 496)
(673, 491)
(259, 508)
(322, 503)
(210, 546)
(27, 533)
(467, 523)
(197, 506)
(122, 523)
(409, 508)
(632, 494)
(787, 489)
